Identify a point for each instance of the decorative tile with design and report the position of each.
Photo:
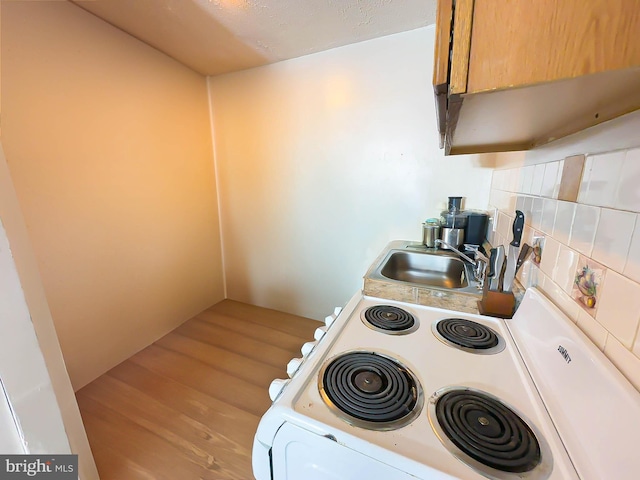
(537, 245)
(587, 284)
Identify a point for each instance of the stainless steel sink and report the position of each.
(435, 269)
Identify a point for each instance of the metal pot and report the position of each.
(452, 236)
(430, 233)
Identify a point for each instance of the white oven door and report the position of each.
(298, 454)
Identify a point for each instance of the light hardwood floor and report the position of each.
(187, 406)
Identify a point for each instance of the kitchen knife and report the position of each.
(492, 267)
(501, 279)
(496, 282)
(525, 251)
(514, 249)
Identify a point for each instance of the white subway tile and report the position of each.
(500, 199)
(490, 232)
(542, 280)
(564, 272)
(538, 176)
(549, 256)
(584, 181)
(522, 272)
(527, 235)
(514, 180)
(548, 215)
(556, 189)
(536, 212)
(628, 195)
(583, 229)
(494, 197)
(511, 203)
(564, 219)
(627, 362)
(527, 178)
(560, 298)
(600, 179)
(505, 201)
(529, 275)
(521, 179)
(592, 329)
(504, 221)
(550, 180)
(632, 267)
(613, 237)
(528, 206)
(495, 179)
(504, 179)
(619, 309)
(506, 182)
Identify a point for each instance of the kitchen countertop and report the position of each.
(411, 293)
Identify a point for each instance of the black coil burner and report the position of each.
(370, 390)
(468, 335)
(486, 430)
(389, 319)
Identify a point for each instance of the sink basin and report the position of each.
(433, 269)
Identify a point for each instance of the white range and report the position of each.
(397, 391)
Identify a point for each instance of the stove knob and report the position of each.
(307, 347)
(319, 333)
(332, 318)
(328, 320)
(293, 366)
(276, 387)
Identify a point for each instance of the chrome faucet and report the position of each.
(479, 264)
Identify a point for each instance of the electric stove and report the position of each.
(391, 390)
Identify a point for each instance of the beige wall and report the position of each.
(31, 366)
(108, 144)
(324, 159)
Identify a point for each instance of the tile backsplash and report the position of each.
(588, 251)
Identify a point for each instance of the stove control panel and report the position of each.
(278, 385)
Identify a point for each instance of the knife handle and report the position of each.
(525, 251)
(492, 262)
(518, 225)
(500, 264)
(492, 277)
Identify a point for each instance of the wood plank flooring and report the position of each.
(187, 406)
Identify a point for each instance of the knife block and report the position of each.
(496, 304)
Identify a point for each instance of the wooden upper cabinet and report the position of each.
(441, 63)
(521, 73)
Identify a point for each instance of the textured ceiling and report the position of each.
(220, 36)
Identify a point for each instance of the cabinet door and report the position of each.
(462, 22)
(524, 42)
(444, 18)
